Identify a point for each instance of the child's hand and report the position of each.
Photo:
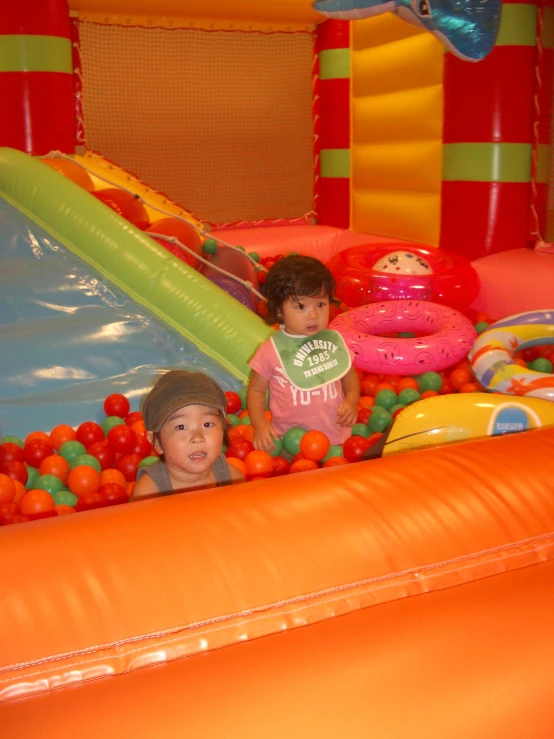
(262, 438)
(346, 414)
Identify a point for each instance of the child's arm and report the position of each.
(144, 488)
(348, 410)
(255, 403)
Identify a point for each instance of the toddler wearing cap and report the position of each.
(184, 417)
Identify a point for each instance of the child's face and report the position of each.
(191, 439)
(305, 315)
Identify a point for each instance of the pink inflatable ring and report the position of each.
(446, 336)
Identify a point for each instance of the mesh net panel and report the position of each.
(220, 121)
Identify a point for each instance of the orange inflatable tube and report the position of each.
(401, 597)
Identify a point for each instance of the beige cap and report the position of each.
(176, 389)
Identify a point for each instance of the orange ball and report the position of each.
(366, 401)
(37, 503)
(407, 383)
(37, 435)
(384, 386)
(72, 171)
(303, 465)
(243, 414)
(55, 465)
(459, 377)
(112, 475)
(60, 434)
(259, 463)
(470, 387)
(335, 462)
(20, 491)
(64, 510)
(248, 432)
(239, 464)
(138, 428)
(7, 489)
(428, 394)
(314, 445)
(83, 479)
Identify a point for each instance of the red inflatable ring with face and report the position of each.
(373, 273)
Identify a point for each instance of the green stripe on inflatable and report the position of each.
(547, 36)
(335, 162)
(518, 25)
(487, 162)
(19, 53)
(334, 64)
(217, 323)
(543, 163)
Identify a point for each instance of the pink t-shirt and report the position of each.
(290, 407)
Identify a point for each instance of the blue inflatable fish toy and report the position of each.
(468, 28)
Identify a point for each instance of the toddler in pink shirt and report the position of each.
(306, 366)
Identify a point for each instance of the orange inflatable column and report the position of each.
(333, 124)
(488, 141)
(36, 77)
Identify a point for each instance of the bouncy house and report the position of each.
(402, 596)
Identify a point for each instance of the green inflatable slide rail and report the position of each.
(219, 325)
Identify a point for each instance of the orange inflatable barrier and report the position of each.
(402, 597)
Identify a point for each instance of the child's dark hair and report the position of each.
(293, 276)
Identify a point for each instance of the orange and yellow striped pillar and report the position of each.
(36, 77)
(488, 141)
(332, 188)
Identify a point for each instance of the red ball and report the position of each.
(16, 470)
(363, 415)
(89, 501)
(128, 465)
(11, 453)
(113, 493)
(103, 453)
(124, 204)
(240, 448)
(117, 405)
(133, 417)
(89, 432)
(354, 448)
(8, 510)
(281, 466)
(37, 450)
(314, 445)
(122, 439)
(143, 447)
(234, 403)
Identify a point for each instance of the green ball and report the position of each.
(240, 248)
(85, 460)
(32, 475)
(210, 246)
(296, 254)
(361, 429)
(13, 440)
(233, 419)
(379, 419)
(246, 420)
(50, 483)
(291, 440)
(147, 461)
(334, 451)
(406, 335)
(254, 255)
(430, 381)
(278, 441)
(71, 449)
(408, 396)
(541, 365)
(386, 399)
(481, 326)
(109, 422)
(242, 395)
(65, 497)
(397, 407)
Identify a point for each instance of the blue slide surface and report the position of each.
(70, 337)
